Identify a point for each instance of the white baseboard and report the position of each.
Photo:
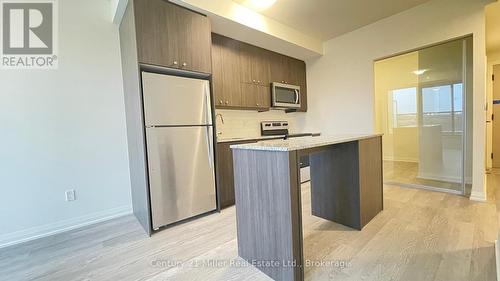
(477, 196)
(36, 232)
(439, 177)
(497, 258)
(401, 159)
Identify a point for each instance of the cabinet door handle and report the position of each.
(257, 104)
(258, 82)
(175, 62)
(227, 102)
(184, 64)
(253, 81)
(220, 101)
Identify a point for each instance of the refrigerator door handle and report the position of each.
(208, 105)
(210, 146)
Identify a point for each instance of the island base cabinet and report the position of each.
(268, 214)
(346, 182)
(346, 187)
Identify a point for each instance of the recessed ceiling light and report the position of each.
(419, 71)
(261, 4)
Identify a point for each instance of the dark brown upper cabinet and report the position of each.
(292, 71)
(226, 72)
(281, 69)
(171, 36)
(254, 65)
(255, 77)
(300, 76)
(255, 96)
(242, 74)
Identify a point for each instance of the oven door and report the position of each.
(286, 96)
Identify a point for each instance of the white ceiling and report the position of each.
(325, 19)
(236, 21)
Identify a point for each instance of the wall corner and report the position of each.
(118, 8)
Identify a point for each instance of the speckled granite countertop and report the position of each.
(302, 143)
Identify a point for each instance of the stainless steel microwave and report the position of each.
(285, 95)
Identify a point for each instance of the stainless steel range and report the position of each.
(274, 128)
(281, 128)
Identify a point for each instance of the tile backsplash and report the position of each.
(246, 123)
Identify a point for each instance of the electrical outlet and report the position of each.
(70, 195)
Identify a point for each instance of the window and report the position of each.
(404, 107)
(458, 107)
(442, 106)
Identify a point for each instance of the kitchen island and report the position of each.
(346, 188)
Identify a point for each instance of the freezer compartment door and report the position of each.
(172, 100)
(181, 173)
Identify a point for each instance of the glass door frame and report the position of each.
(465, 124)
(420, 122)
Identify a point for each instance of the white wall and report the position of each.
(340, 84)
(65, 129)
(117, 10)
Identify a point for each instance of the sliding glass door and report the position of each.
(422, 102)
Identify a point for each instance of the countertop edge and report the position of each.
(256, 139)
(334, 140)
(251, 139)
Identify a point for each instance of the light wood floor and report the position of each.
(421, 235)
(407, 173)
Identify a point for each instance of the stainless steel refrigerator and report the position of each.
(179, 139)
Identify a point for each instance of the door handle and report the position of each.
(208, 105)
(210, 147)
(297, 96)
